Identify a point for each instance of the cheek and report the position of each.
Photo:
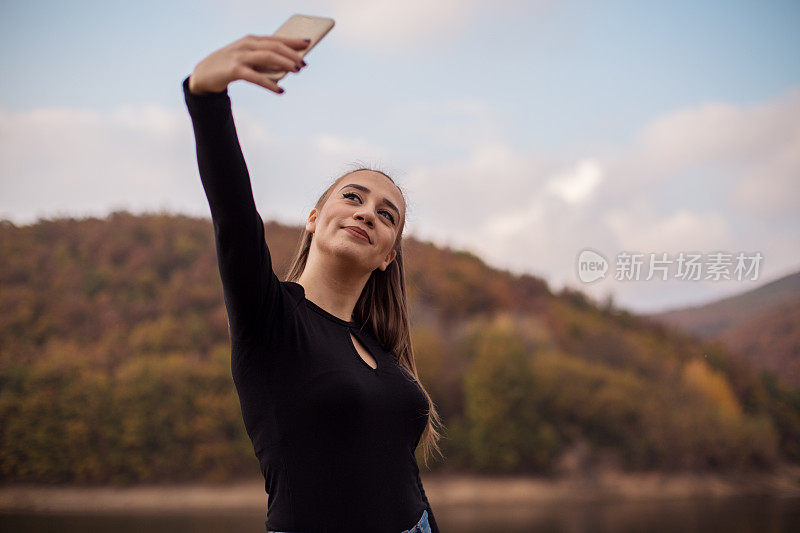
(387, 240)
(327, 220)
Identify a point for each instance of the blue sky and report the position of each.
(546, 126)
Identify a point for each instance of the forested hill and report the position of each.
(114, 366)
(762, 324)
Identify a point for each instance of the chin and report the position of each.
(352, 252)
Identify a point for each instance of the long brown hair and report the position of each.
(382, 305)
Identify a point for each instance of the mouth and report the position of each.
(358, 232)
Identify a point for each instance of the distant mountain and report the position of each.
(762, 324)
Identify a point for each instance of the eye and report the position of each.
(388, 213)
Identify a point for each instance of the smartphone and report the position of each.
(305, 27)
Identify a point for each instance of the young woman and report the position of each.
(322, 362)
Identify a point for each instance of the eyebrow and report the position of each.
(362, 188)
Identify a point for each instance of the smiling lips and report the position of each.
(358, 232)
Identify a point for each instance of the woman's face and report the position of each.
(364, 200)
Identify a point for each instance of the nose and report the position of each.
(365, 215)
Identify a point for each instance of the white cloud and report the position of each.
(753, 152)
(388, 25)
(577, 186)
(147, 119)
(640, 229)
(384, 24)
(771, 184)
(391, 27)
(83, 162)
(518, 207)
(690, 182)
(460, 195)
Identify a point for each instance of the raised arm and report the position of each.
(249, 283)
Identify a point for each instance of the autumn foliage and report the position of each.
(115, 365)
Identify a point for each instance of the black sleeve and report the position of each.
(250, 286)
(431, 519)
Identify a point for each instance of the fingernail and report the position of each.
(280, 90)
(303, 63)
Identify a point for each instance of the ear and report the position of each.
(311, 223)
(389, 258)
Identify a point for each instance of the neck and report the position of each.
(335, 288)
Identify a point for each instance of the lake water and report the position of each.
(735, 514)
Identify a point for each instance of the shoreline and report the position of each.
(451, 490)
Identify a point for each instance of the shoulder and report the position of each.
(294, 291)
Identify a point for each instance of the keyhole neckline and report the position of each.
(352, 327)
(350, 335)
(324, 313)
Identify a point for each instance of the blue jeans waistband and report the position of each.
(420, 527)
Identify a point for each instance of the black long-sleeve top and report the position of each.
(334, 437)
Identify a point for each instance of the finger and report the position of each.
(285, 45)
(265, 59)
(288, 52)
(294, 42)
(271, 69)
(260, 79)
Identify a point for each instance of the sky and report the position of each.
(532, 134)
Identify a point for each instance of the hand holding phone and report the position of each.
(260, 59)
(304, 27)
